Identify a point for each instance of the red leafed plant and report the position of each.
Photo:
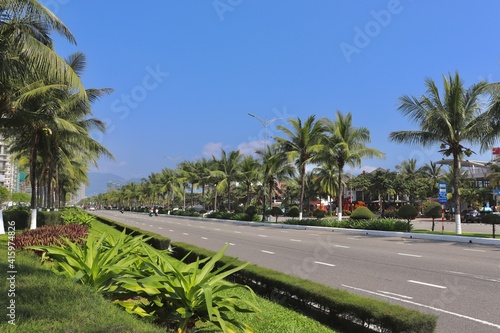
(51, 235)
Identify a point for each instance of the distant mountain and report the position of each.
(99, 182)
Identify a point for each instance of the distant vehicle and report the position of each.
(92, 208)
(471, 215)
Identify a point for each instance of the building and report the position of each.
(9, 171)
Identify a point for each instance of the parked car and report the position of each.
(471, 215)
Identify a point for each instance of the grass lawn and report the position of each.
(45, 302)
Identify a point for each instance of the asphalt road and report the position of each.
(458, 282)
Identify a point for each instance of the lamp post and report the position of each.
(266, 124)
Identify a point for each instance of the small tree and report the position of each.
(319, 213)
(293, 212)
(276, 212)
(251, 211)
(492, 219)
(407, 212)
(433, 210)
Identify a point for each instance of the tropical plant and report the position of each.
(181, 294)
(93, 263)
(301, 146)
(346, 145)
(451, 118)
(228, 169)
(276, 212)
(492, 219)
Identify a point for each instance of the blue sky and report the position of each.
(186, 74)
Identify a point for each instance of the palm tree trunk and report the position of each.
(32, 162)
(339, 196)
(302, 189)
(456, 197)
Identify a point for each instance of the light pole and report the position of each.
(266, 124)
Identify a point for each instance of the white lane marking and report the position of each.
(295, 240)
(262, 235)
(324, 263)
(409, 255)
(342, 246)
(160, 228)
(232, 244)
(284, 231)
(472, 250)
(479, 277)
(144, 224)
(427, 284)
(314, 235)
(404, 243)
(353, 238)
(237, 232)
(217, 229)
(185, 233)
(151, 225)
(205, 238)
(202, 227)
(170, 230)
(393, 294)
(268, 252)
(426, 306)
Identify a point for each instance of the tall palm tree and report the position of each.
(327, 177)
(249, 175)
(453, 118)
(274, 168)
(301, 146)
(346, 145)
(228, 168)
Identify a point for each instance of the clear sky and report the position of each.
(186, 73)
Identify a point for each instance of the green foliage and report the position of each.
(95, 262)
(492, 219)
(76, 215)
(182, 294)
(251, 210)
(4, 194)
(51, 235)
(384, 224)
(20, 197)
(18, 214)
(276, 212)
(362, 213)
(293, 211)
(319, 213)
(48, 218)
(433, 209)
(407, 212)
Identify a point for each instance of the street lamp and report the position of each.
(266, 124)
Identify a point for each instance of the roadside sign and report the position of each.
(496, 191)
(442, 192)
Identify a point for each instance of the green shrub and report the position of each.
(293, 211)
(251, 211)
(362, 213)
(492, 219)
(434, 210)
(48, 218)
(319, 213)
(18, 214)
(407, 212)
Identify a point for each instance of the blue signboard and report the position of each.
(496, 191)
(442, 191)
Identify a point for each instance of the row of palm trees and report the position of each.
(454, 119)
(45, 112)
(327, 144)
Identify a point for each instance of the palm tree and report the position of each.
(456, 117)
(328, 179)
(434, 173)
(274, 168)
(228, 168)
(249, 175)
(301, 146)
(346, 145)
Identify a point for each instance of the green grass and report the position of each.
(46, 302)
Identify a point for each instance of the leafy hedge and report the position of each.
(384, 224)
